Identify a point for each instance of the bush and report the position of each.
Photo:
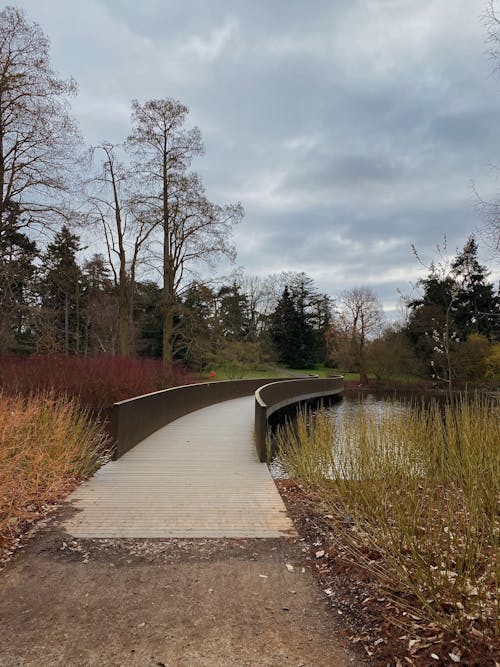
(415, 497)
(46, 445)
(95, 381)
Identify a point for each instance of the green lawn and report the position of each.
(233, 372)
(230, 372)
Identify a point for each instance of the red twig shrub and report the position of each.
(94, 381)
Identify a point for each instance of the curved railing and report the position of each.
(279, 394)
(136, 418)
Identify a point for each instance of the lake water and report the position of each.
(374, 406)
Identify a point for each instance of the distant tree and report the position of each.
(148, 318)
(456, 302)
(17, 285)
(192, 228)
(100, 308)
(233, 312)
(392, 356)
(477, 307)
(116, 205)
(471, 359)
(291, 332)
(37, 134)
(199, 334)
(284, 323)
(259, 306)
(62, 289)
(359, 319)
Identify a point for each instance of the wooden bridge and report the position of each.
(200, 473)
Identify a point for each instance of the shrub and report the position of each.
(47, 443)
(95, 381)
(415, 494)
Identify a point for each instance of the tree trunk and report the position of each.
(66, 322)
(123, 312)
(77, 325)
(168, 314)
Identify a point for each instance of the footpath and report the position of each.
(179, 554)
(165, 603)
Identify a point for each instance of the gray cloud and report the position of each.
(349, 130)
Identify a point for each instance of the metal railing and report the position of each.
(136, 418)
(277, 395)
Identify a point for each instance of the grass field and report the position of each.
(230, 372)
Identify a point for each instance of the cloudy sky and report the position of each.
(348, 129)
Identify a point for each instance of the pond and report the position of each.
(373, 405)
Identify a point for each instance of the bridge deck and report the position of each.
(196, 477)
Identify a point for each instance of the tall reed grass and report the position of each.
(47, 443)
(415, 494)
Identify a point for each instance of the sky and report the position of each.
(348, 129)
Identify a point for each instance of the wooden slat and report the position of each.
(196, 477)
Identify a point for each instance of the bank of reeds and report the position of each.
(414, 493)
(47, 443)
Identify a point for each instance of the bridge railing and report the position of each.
(135, 419)
(274, 396)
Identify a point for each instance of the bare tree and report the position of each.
(490, 211)
(491, 20)
(192, 228)
(360, 318)
(125, 229)
(37, 134)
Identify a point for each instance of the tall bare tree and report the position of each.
(37, 134)
(126, 229)
(193, 229)
(360, 318)
(490, 210)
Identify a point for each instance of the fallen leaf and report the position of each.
(320, 553)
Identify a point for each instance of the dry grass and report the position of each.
(47, 443)
(415, 495)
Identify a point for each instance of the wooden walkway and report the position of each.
(196, 477)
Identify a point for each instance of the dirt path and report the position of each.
(170, 602)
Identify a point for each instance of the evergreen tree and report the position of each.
(198, 329)
(62, 290)
(291, 332)
(148, 318)
(457, 302)
(477, 308)
(17, 284)
(234, 312)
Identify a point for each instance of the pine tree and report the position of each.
(477, 307)
(62, 289)
(17, 284)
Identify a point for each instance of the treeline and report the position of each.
(146, 211)
(139, 200)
